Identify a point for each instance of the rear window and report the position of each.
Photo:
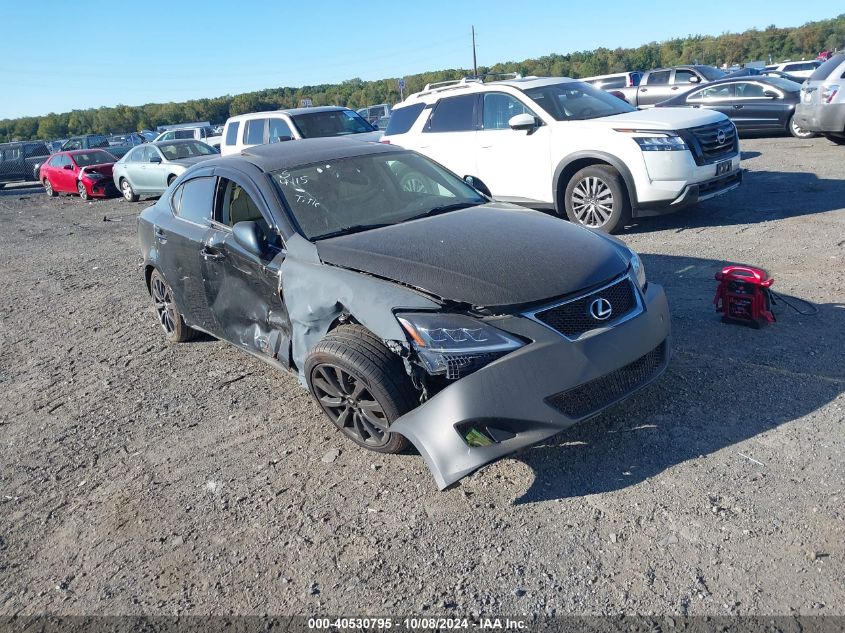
(455, 114)
(403, 118)
(232, 133)
(823, 71)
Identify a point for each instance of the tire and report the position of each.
(839, 139)
(174, 326)
(796, 131)
(128, 192)
(83, 192)
(350, 367)
(48, 187)
(596, 197)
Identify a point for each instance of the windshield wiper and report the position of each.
(444, 208)
(348, 230)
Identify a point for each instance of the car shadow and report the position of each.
(725, 385)
(764, 196)
(21, 189)
(749, 155)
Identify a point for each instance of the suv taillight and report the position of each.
(828, 93)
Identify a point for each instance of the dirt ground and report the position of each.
(138, 477)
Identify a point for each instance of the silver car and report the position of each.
(149, 169)
(822, 105)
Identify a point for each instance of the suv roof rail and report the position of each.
(484, 76)
(451, 84)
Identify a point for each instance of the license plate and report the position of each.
(723, 167)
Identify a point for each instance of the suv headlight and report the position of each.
(638, 269)
(661, 143)
(454, 345)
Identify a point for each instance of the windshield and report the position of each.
(711, 73)
(95, 157)
(330, 123)
(345, 195)
(575, 100)
(187, 149)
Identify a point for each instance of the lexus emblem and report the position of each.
(600, 309)
(720, 137)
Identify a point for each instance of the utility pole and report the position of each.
(474, 64)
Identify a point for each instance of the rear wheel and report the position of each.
(361, 386)
(48, 187)
(83, 192)
(174, 326)
(127, 191)
(797, 131)
(595, 197)
(839, 139)
(170, 179)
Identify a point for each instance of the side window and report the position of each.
(453, 114)
(236, 205)
(658, 78)
(613, 83)
(254, 132)
(135, 155)
(279, 130)
(683, 76)
(712, 93)
(183, 134)
(64, 161)
(194, 200)
(232, 133)
(12, 154)
(499, 108)
(72, 144)
(37, 149)
(403, 118)
(749, 90)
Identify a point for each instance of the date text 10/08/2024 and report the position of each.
(415, 624)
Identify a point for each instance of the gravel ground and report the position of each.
(139, 477)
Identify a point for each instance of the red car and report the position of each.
(84, 171)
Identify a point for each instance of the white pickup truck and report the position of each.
(205, 134)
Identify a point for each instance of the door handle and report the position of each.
(674, 87)
(737, 107)
(211, 256)
(643, 89)
(159, 234)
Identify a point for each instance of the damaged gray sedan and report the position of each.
(412, 307)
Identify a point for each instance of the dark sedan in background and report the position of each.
(754, 104)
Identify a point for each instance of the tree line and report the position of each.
(771, 44)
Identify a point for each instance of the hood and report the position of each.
(663, 118)
(105, 169)
(490, 255)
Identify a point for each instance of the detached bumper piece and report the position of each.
(595, 395)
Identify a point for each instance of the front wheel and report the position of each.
(797, 131)
(83, 192)
(361, 386)
(595, 197)
(127, 191)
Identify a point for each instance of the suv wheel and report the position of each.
(361, 385)
(595, 197)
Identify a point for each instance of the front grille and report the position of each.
(704, 142)
(598, 393)
(572, 319)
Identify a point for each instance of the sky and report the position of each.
(61, 55)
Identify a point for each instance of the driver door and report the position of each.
(241, 287)
(514, 164)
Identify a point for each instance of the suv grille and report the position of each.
(598, 393)
(572, 319)
(704, 141)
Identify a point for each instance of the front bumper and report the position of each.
(692, 194)
(539, 390)
(821, 117)
(103, 188)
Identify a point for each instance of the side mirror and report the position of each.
(522, 121)
(695, 79)
(281, 139)
(156, 160)
(68, 167)
(478, 186)
(250, 237)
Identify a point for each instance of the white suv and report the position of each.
(558, 143)
(256, 128)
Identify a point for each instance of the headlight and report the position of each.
(660, 143)
(638, 269)
(454, 345)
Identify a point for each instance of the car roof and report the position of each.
(290, 111)
(289, 154)
(174, 141)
